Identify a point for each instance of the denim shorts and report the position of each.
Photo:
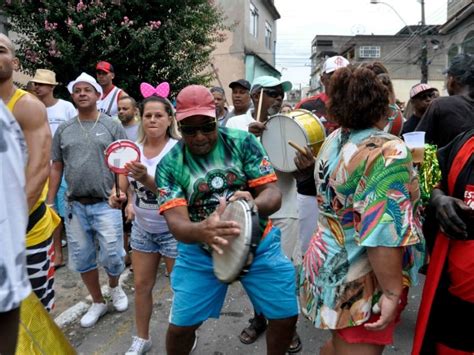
(199, 295)
(87, 225)
(146, 242)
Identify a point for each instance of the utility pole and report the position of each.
(424, 46)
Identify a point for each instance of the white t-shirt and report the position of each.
(132, 131)
(14, 283)
(241, 121)
(285, 182)
(145, 202)
(59, 113)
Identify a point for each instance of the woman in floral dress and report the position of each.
(368, 245)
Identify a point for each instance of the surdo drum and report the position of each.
(299, 126)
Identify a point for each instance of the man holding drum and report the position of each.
(208, 166)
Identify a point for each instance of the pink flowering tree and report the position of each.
(146, 41)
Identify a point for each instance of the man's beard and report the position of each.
(273, 110)
(125, 119)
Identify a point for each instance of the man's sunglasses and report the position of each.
(274, 93)
(207, 128)
(426, 95)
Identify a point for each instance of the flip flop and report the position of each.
(295, 345)
(57, 267)
(250, 334)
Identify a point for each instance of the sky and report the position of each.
(301, 20)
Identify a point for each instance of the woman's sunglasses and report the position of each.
(207, 128)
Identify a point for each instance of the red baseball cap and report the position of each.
(105, 66)
(195, 100)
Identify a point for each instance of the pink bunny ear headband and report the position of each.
(162, 90)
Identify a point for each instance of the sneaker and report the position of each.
(195, 341)
(119, 298)
(95, 311)
(139, 346)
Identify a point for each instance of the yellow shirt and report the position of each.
(45, 227)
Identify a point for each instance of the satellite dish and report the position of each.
(358, 29)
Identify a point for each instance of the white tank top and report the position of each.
(109, 103)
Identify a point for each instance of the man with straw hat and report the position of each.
(58, 110)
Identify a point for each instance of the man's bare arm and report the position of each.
(31, 115)
(54, 180)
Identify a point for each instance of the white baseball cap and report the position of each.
(333, 63)
(85, 78)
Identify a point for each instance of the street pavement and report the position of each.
(112, 334)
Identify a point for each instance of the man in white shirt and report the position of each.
(129, 116)
(108, 103)
(58, 111)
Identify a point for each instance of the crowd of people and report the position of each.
(339, 240)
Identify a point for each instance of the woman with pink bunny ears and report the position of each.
(150, 238)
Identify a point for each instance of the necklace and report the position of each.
(87, 131)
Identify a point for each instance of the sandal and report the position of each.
(295, 345)
(257, 326)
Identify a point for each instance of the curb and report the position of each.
(73, 313)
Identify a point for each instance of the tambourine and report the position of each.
(119, 153)
(238, 256)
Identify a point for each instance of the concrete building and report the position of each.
(458, 31)
(400, 53)
(19, 78)
(249, 49)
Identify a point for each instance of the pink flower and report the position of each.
(80, 26)
(81, 6)
(69, 22)
(154, 24)
(50, 26)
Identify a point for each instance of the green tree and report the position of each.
(146, 41)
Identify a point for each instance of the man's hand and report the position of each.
(116, 202)
(448, 213)
(388, 305)
(218, 234)
(304, 163)
(257, 128)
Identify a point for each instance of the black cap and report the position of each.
(241, 82)
(461, 66)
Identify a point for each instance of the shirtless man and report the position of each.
(30, 113)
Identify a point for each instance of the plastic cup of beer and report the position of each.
(415, 141)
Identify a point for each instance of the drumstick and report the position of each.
(117, 188)
(260, 100)
(297, 147)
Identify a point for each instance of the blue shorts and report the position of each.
(87, 223)
(60, 199)
(146, 242)
(199, 295)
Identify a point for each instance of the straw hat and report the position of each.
(45, 76)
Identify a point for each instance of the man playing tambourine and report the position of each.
(212, 162)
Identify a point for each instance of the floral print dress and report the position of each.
(368, 197)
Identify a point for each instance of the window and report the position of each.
(369, 52)
(253, 20)
(268, 35)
